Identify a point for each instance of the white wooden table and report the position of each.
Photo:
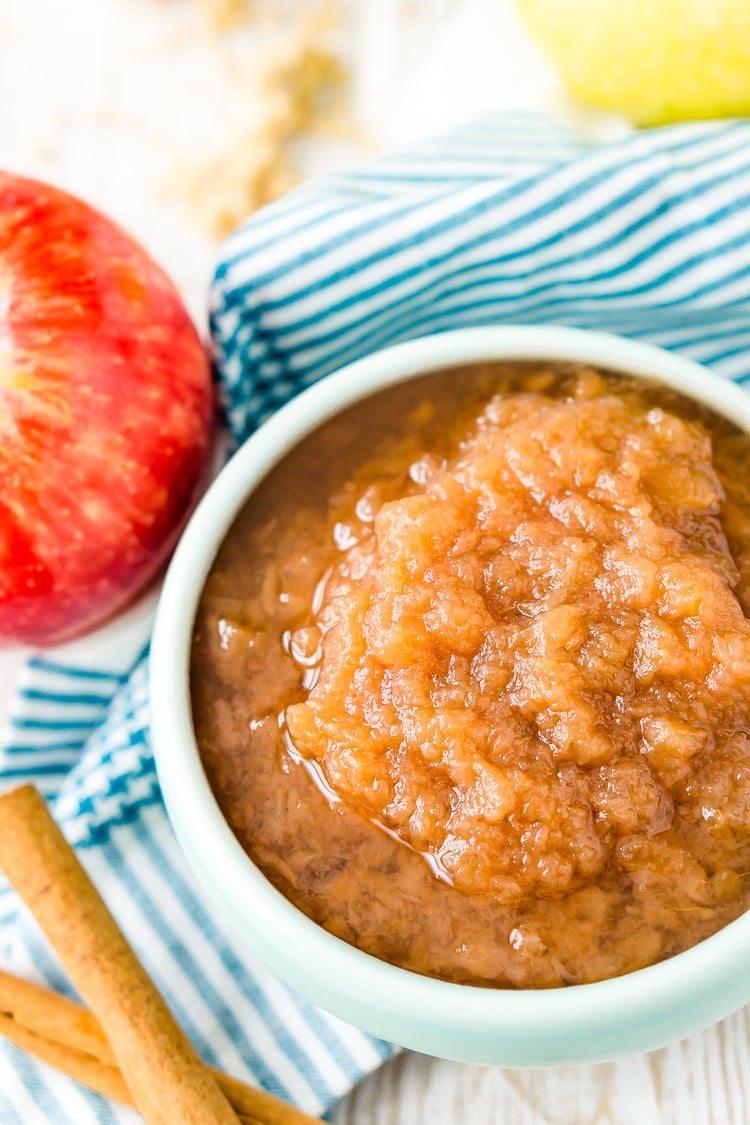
(110, 102)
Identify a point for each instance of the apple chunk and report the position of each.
(105, 415)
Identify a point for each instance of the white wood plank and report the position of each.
(704, 1080)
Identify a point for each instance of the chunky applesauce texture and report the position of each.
(471, 675)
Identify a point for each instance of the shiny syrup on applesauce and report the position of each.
(470, 675)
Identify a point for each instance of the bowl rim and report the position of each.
(281, 934)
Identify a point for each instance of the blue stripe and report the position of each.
(37, 748)
(517, 306)
(699, 346)
(291, 204)
(232, 261)
(455, 178)
(21, 722)
(730, 353)
(43, 758)
(336, 1046)
(497, 145)
(348, 237)
(187, 964)
(41, 664)
(247, 987)
(325, 1033)
(134, 717)
(56, 979)
(54, 770)
(433, 288)
(48, 965)
(34, 1079)
(266, 219)
(545, 156)
(94, 829)
(78, 699)
(596, 249)
(8, 1115)
(688, 337)
(488, 312)
(508, 193)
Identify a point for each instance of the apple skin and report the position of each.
(106, 413)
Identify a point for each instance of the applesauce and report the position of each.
(470, 674)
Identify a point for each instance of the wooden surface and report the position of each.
(704, 1080)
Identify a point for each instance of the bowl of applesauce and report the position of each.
(451, 695)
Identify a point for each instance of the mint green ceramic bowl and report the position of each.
(582, 1023)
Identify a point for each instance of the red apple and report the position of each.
(105, 414)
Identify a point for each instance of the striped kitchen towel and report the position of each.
(513, 219)
(510, 220)
(80, 733)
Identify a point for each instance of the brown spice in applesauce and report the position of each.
(470, 675)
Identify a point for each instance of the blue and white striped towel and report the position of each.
(513, 219)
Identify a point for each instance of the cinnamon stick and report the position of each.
(165, 1076)
(89, 1071)
(53, 1016)
(67, 1036)
(83, 1068)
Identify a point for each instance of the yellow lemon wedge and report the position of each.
(654, 61)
